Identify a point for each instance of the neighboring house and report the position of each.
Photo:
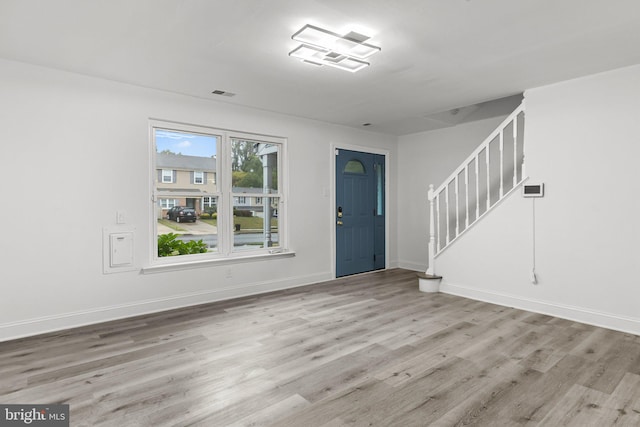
(252, 199)
(185, 181)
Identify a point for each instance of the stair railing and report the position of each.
(452, 209)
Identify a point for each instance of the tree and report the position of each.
(167, 151)
(246, 165)
(241, 151)
(250, 180)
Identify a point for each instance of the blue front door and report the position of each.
(359, 212)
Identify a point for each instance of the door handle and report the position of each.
(339, 222)
(339, 212)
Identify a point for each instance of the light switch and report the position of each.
(121, 249)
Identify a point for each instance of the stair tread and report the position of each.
(429, 276)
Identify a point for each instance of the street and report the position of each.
(200, 230)
(239, 239)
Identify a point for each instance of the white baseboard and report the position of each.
(392, 264)
(412, 266)
(578, 314)
(40, 325)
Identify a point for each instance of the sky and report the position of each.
(188, 144)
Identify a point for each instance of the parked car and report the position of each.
(182, 214)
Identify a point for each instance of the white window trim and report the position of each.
(174, 202)
(208, 204)
(196, 175)
(225, 253)
(167, 173)
(238, 259)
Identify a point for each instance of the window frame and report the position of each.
(196, 175)
(208, 203)
(174, 203)
(224, 197)
(169, 175)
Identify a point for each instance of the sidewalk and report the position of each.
(193, 228)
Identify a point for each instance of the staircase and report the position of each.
(491, 173)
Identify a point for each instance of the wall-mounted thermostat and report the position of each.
(533, 190)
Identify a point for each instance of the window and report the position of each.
(168, 203)
(167, 176)
(354, 166)
(256, 175)
(237, 207)
(208, 202)
(379, 170)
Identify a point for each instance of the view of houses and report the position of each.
(185, 181)
(191, 181)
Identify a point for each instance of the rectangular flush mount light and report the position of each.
(319, 56)
(351, 44)
(323, 47)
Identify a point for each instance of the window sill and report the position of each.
(188, 265)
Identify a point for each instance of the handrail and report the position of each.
(443, 215)
(484, 143)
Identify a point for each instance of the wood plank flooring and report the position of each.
(367, 350)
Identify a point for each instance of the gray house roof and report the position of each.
(182, 162)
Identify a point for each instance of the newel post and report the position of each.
(432, 233)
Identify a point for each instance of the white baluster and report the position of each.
(447, 215)
(486, 152)
(524, 163)
(501, 163)
(515, 151)
(432, 233)
(457, 206)
(477, 190)
(466, 195)
(438, 223)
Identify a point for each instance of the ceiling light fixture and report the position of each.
(319, 56)
(323, 47)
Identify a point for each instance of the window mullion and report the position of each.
(227, 200)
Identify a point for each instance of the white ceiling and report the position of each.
(437, 55)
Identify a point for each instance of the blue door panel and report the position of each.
(360, 229)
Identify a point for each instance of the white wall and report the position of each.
(429, 158)
(583, 141)
(76, 149)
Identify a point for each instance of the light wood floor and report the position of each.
(367, 350)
